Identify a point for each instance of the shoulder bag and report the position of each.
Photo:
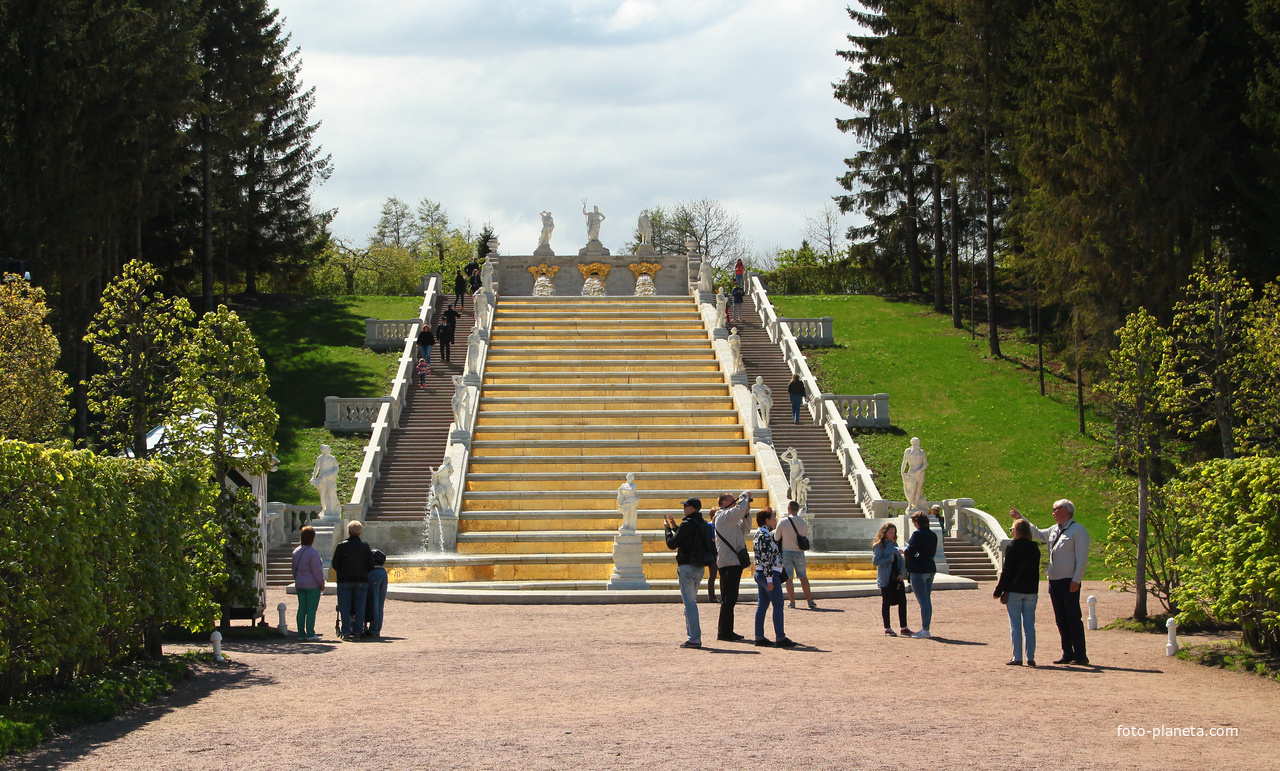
(744, 559)
(801, 540)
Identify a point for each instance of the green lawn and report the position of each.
(988, 433)
(313, 348)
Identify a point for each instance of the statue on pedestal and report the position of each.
(442, 489)
(722, 302)
(645, 227)
(324, 477)
(800, 492)
(914, 463)
(762, 401)
(706, 274)
(628, 503)
(594, 218)
(548, 225)
(735, 348)
(474, 341)
(795, 466)
(460, 400)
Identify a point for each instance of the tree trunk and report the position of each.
(993, 330)
(1040, 348)
(912, 230)
(206, 222)
(1080, 391)
(956, 320)
(939, 246)
(1140, 577)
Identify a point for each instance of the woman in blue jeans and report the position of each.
(769, 579)
(1019, 587)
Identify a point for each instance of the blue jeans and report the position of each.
(690, 578)
(424, 352)
(797, 401)
(351, 598)
(376, 599)
(922, 587)
(1022, 620)
(765, 598)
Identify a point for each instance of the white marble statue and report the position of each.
(706, 274)
(548, 225)
(486, 274)
(722, 302)
(628, 503)
(645, 226)
(594, 218)
(324, 477)
(914, 463)
(800, 492)
(735, 349)
(795, 466)
(481, 310)
(442, 488)
(474, 341)
(460, 402)
(762, 401)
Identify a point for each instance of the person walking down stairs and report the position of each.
(795, 392)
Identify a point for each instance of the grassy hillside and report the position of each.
(988, 433)
(313, 348)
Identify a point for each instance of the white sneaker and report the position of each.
(923, 634)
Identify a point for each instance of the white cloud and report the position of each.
(502, 109)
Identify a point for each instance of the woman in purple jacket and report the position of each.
(308, 580)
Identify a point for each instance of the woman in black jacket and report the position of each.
(795, 390)
(459, 288)
(1019, 586)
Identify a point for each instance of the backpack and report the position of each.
(707, 554)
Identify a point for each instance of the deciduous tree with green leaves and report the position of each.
(1134, 389)
(138, 337)
(32, 388)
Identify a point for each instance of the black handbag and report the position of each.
(801, 540)
(744, 559)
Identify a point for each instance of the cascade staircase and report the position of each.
(577, 392)
(968, 561)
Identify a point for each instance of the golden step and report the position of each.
(623, 417)
(589, 404)
(588, 481)
(638, 448)
(601, 378)
(623, 465)
(508, 432)
(532, 500)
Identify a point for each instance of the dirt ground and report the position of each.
(459, 686)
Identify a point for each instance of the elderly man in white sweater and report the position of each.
(1068, 555)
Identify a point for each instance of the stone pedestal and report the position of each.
(628, 556)
(544, 251)
(739, 378)
(593, 249)
(460, 436)
(644, 249)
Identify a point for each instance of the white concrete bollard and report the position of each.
(284, 625)
(1171, 647)
(216, 639)
(1093, 612)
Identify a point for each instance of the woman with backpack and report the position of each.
(695, 549)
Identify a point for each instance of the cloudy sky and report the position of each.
(502, 108)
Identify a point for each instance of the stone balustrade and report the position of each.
(284, 520)
(861, 411)
(977, 527)
(812, 331)
(388, 334)
(353, 413)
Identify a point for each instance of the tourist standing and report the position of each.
(691, 541)
(739, 274)
(376, 599)
(769, 577)
(738, 295)
(788, 534)
(1019, 588)
(732, 526)
(459, 288)
(352, 562)
(889, 567)
(795, 392)
(426, 341)
(1068, 555)
(308, 582)
(920, 566)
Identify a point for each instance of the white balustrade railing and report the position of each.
(285, 520)
(823, 411)
(812, 331)
(352, 413)
(385, 334)
(978, 527)
(861, 411)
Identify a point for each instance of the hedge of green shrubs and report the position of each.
(97, 554)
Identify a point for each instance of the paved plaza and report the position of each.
(555, 687)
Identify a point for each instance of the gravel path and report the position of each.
(460, 686)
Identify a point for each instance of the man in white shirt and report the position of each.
(1068, 555)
